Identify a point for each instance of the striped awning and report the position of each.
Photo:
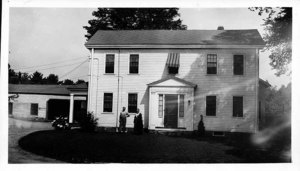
(173, 60)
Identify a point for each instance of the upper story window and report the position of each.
(211, 105)
(107, 102)
(110, 63)
(173, 62)
(237, 106)
(134, 64)
(238, 65)
(211, 63)
(132, 102)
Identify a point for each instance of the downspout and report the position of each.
(257, 89)
(97, 76)
(118, 90)
(91, 80)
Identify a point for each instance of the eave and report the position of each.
(174, 46)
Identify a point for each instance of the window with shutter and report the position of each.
(210, 105)
(238, 65)
(134, 64)
(110, 63)
(132, 102)
(34, 109)
(237, 106)
(212, 64)
(107, 102)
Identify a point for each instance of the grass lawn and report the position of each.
(79, 147)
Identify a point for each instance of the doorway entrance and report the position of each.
(171, 111)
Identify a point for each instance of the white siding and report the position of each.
(192, 68)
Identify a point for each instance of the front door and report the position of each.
(171, 111)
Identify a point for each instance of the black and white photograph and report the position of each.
(149, 85)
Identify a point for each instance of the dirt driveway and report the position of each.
(19, 128)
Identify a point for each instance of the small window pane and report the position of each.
(110, 62)
(160, 106)
(211, 105)
(211, 64)
(134, 64)
(34, 109)
(132, 103)
(238, 65)
(237, 106)
(108, 102)
(181, 106)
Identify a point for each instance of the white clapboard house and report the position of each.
(174, 76)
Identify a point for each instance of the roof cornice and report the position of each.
(174, 46)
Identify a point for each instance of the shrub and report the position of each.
(61, 123)
(88, 122)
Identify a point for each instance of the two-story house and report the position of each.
(174, 76)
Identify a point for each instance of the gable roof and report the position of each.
(264, 83)
(174, 78)
(175, 37)
(43, 89)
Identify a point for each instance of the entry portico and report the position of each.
(171, 104)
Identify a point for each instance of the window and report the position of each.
(210, 105)
(110, 63)
(134, 64)
(237, 106)
(10, 108)
(173, 70)
(108, 102)
(238, 64)
(181, 106)
(132, 103)
(34, 108)
(212, 64)
(160, 106)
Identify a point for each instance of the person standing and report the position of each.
(122, 120)
(138, 123)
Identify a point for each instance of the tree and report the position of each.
(52, 79)
(134, 19)
(37, 78)
(66, 82)
(12, 76)
(79, 81)
(278, 36)
(24, 78)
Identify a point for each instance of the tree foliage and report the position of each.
(278, 102)
(37, 78)
(278, 36)
(134, 19)
(52, 79)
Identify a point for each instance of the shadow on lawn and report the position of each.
(80, 147)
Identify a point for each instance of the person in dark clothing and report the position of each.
(138, 123)
(122, 120)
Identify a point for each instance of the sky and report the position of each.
(51, 40)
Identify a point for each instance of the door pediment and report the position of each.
(172, 82)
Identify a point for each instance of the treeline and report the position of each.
(278, 103)
(37, 78)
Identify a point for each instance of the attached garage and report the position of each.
(47, 101)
